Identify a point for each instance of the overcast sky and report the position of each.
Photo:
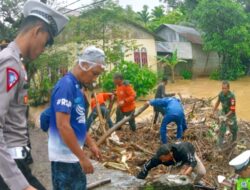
(136, 4)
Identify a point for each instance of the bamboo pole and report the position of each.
(102, 120)
(98, 183)
(120, 123)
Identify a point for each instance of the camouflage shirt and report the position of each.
(228, 102)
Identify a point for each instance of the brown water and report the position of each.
(200, 88)
(205, 88)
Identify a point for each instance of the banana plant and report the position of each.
(171, 61)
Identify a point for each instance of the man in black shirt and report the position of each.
(160, 93)
(177, 154)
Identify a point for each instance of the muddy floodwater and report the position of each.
(200, 88)
(205, 88)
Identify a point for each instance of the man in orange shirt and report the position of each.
(101, 98)
(125, 100)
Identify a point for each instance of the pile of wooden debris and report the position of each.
(128, 151)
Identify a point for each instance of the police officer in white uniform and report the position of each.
(241, 164)
(41, 24)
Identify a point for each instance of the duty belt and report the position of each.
(19, 152)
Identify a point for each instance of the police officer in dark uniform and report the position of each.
(40, 26)
(241, 164)
(228, 115)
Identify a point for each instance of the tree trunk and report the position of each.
(173, 74)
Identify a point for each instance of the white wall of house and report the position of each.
(149, 44)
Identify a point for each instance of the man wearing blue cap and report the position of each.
(41, 24)
(67, 129)
(241, 164)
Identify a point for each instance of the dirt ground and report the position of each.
(41, 165)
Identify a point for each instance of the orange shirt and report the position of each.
(126, 93)
(101, 98)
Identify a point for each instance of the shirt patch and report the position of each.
(12, 78)
(64, 102)
(232, 102)
(25, 99)
(81, 112)
(244, 184)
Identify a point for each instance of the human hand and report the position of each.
(121, 103)
(30, 188)
(186, 170)
(183, 170)
(86, 165)
(223, 118)
(96, 152)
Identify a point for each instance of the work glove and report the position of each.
(223, 118)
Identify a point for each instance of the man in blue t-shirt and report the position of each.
(67, 130)
(173, 112)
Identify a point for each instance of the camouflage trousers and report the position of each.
(231, 124)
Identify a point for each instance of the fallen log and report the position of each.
(142, 149)
(120, 123)
(118, 166)
(98, 183)
(181, 98)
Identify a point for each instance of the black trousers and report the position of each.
(154, 162)
(24, 167)
(120, 115)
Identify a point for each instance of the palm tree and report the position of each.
(171, 61)
(144, 15)
(158, 12)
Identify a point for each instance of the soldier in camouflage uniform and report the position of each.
(228, 115)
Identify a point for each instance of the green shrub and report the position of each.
(228, 72)
(232, 71)
(44, 73)
(215, 75)
(41, 94)
(187, 75)
(142, 79)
